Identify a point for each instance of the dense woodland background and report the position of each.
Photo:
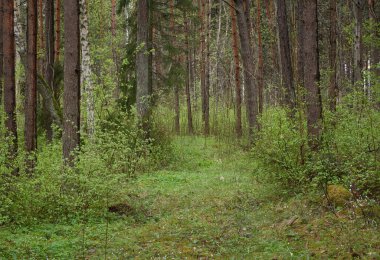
(95, 94)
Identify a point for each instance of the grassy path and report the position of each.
(208, 204)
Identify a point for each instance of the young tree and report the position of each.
(247, 58)
(311, 54)
(235, 48)
(9, 74)
(71, 95)
(31, 81)
(285, 56)
(143, 93)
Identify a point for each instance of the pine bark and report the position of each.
(86, 76)
(31, 81)
(247, 58)
(9, 75)
(238, 126)
(300, 39)
(313, 94)
(285, 55)
(71, 95)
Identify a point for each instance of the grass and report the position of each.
(211, 202)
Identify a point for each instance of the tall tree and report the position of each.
(358, 6)
(300, 40)
(260, 69)
(375, 49)
(188, 77)
(49, 65)
(9, 74)
(57, 46)
(333, 87)
(235, 48)
(247, 58)
(86, 76)
(71, 95)
(1, 51)
(311, 54)
(285, 56)
(40, 35)
(143, 93)
(31, 81)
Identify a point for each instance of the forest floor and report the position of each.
(212, 202)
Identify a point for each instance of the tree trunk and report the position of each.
(71, 95)
(49, 65)
(142, 64)
(238, 127)
(86, 76)
(358, 51)
(1, 52)
(41, 36)
(188, 80)
(313, 94)
(300, 47)
(9, 75)
(333, 87)
(260, 72)
(247, 58)
(285, 57)
(57, 30)
(31, 83)
(375, 49)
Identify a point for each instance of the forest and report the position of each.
(189, 129)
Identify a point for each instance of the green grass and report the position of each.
(210, 202)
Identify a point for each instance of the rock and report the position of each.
(338, 195)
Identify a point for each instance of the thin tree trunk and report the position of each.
(86, 76)
(142, 64)
(49, 65)
(333, 88)
(285, 57)
(188, 79)
(358, 51)
(247, 58)
(57, 30)
(260, 72)
(300, 47)
(9, 75)
(1, 52)
(31, 83)
(238, 127)
(313, 94)
(375, 49)
(41, 35)
(71, 95)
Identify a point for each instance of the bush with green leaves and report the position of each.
(58, 193)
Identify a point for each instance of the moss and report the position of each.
(338, 195)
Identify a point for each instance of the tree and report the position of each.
(49, 58)
(358, 6)
(9, 75)
(260, 70)
(71, 95)
(247, 58)
(143, 93)
(31, 81)
(285, 57)
(311, 54)
(57, 46)
(86, 76)
(188, 77)
(1, 51)
(235, 49)
(333, 87)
